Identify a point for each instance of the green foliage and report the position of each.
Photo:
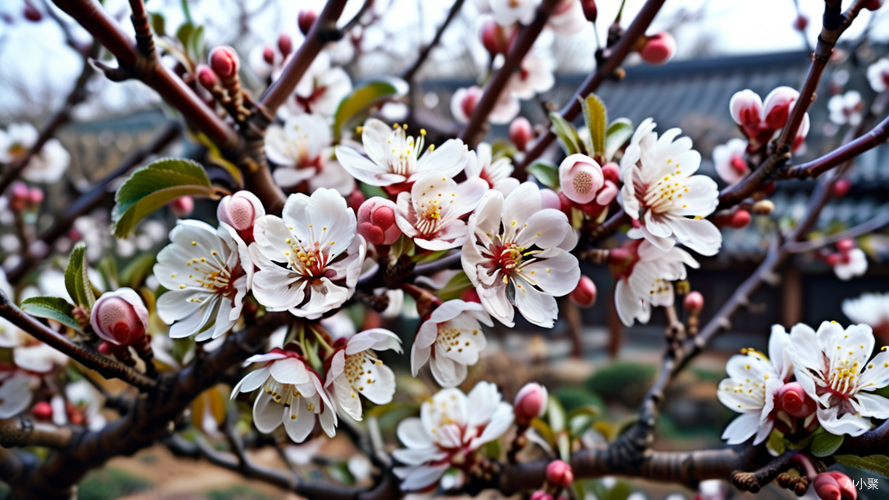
(619, 132)
(596, 117)
(873, 463)
(54, 308)
(576, 398)
(620, 490)
(77, 280)
(566, 134)
(623, 381)
(558, 423)
(110, 483)
(155, 185)
(158, 23)
(137, 269)
(362, 97)
(826, 444)
(545, 172)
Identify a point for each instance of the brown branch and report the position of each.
(20, 431)
(408, 74)
(356, 18)
(875, 224)
(96, 196)
(473, 132)
(614, 58)
(818, 166)
(107, 367)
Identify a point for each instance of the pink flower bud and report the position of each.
(777, 106)
(182, 207)
(694, 302)
(355, 199)
(581, 178)
(584, 294)
(847, 488)
(845, 244)
(541, 495)
(463, 103)
(31, 13)
(530, 403)
(590, 11)
(520, 132)
(285, 44)
(746, 109)
(795, 401)
(106, 348)
(801, 22)
(873, 5)
(240, 211)
(841, 187)
(740, 219)
(206, 77)
(559, 474)
(467, 105)
(305, 20)
(35, 195)
(659, 48)
(225, 61)
(611, 172)
(268, 55)
(119, 317)
(550, 199)
(42, 411)
(495, 38)
(376, 221)
(20, 195)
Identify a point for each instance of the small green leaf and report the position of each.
(596, 117)
(77, 280)
(619, 132)
(458, 284)
(824, 445)
(158, 23)
(184, 33)
(363, 96)
(196, 43)
(429, 256)
(54, 308)
(545, 172)
(155, 185)
(873, 463)
(566, 133)
(556, 414)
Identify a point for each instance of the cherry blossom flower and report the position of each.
(835, 368)
(431, 212)
(583, 182)
(871, 309)
(729, 161)
(534, 77)
(119, 317)
(451, 427)
(302, 149)
(661, 192)
(47, 165)
(567, 18)
(207, 283)
(308, 260)
(517, 254)
(507, 12)
(760, 122)
(320, 89)
(646, 281)
(846, 108)
(850, 264)
(450, 340)
(240, 211)
(497, 173)
(878, 75)
(355, 370)
(16, 391)
(291, 394)
(396, 157)
(752, 389)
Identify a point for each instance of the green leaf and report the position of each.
(77, 280)
(183, 34)
(566, 134)
(137, 269)
(873, 463)
(824, 445)
(363, 97)
(619, 132)
(196, 43)
(423, 257)
(155, 185)
(455, 287)
(491, 449)
(54, 308)
(371, 191)
(558, 422)
(596, 117)
(158, 23)
(545, 172)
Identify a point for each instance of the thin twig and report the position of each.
(408, 74)
(873, 225)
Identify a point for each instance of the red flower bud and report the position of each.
(873, 5)
(590, 11)
(520, 132)
(240, 211)
(268, 55)
(35, 195)
(658, 48)
(305, 20)
(559, 474)
(206, 77)
(106, 348)
(847, 488)
(376, 221)
(355, 199)
(740, 219)
(827, 488)
(496, 39)
(801, 22)
(845, 244)
(225, 61)
(833, 259)
(182, 207)
(530, 403)
(584, 295)
(20, 195)
(841, 187)
(541, 495)
(694, 302)
(119, 317)
(31, 13)
(42, 411)
(795, 401)
(611, 172)
(285, 44)
(566, 203)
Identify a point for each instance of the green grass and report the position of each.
(110, 483)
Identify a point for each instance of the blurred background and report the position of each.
(589, 358)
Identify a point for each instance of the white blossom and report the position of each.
(356, 370)
(878, 75)
(47, 165)
(497, 173)
(450, 340)
(846, 108)
(507, 12)
(870, 308)
(535, 76)
(320, 89)
(729, 161)
(851, 265)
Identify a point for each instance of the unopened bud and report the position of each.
(240, 211)
(31, 13)
(873, 5)
(845, 244)
(841, 187)
(182, 207)
(35, 195)
(763, 207)
(795, 401)
(376, 221)
(42, 411)
(520, 132)
(740, 219)
(694, 302)
(541, 495)
(355, 199)
(584, 294)
(20, 195)
(119, 317)
(530, 403)
(801, 22)
(847, 487)
(611, 172)
(207, 77)
(777, 106)
(559, 474)
(285, 44)
(225, 61)
(106, 348)
(590, 11)
(581, 178)
(658, 48)
(495, 38)
(827, 488)
(268, 55)
(305, 20)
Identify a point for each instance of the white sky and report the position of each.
(35, 56)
